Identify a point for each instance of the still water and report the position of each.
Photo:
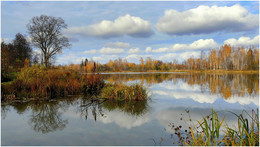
(80, 121)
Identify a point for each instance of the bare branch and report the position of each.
(46, 34)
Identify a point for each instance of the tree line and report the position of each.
(224, 58)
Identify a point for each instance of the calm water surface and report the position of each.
(79, 121)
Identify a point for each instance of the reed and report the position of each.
(207, 131)
(247, 133)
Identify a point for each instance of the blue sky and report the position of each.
(161, 30)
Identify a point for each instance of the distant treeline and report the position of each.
(225, 58)
(16, 54)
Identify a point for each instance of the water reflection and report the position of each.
(83, 121)
(223, 85)
(126, 114)
(94, 105)
(130, 107)
(4, 110)
(184, 91)
(46, 117)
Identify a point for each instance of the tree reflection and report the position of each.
(98, 107)
(46, 117)
(95, 105)
(227, 85)
(4, 110)
(131, 107)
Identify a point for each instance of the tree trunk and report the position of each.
(46, 61)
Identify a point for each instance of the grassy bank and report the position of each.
(37, 82)
(207, 132)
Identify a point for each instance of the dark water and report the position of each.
(79, 121)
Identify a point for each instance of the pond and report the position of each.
(81, 121)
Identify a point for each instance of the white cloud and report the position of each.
(117, 45)
(104, 58)
(205, 19)
(90, 52)
(108, 50)
(133, 57)
(148, 49)
(196, 45)
(136, 58)
(168, 57)
(243, 41)
(68, 59)
(123, 25)
(133, 50)
(186, 55)
(96, 58)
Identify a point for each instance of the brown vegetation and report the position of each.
(124, 92)
(37, 81)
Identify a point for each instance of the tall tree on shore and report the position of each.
(46, 34)
(22, 50)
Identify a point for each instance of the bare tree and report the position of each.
(45, 33)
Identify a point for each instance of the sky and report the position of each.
(161, 30)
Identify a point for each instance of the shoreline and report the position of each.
(188, 71)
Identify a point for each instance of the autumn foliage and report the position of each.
(39, 82)
(224, 58)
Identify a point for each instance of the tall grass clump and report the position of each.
(124, 92)
(211, 131)
(207, 131)
(92, 84)
(247, 133)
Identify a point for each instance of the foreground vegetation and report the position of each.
(39, 82)
(214, 131)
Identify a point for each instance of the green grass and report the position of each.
(247, 133)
